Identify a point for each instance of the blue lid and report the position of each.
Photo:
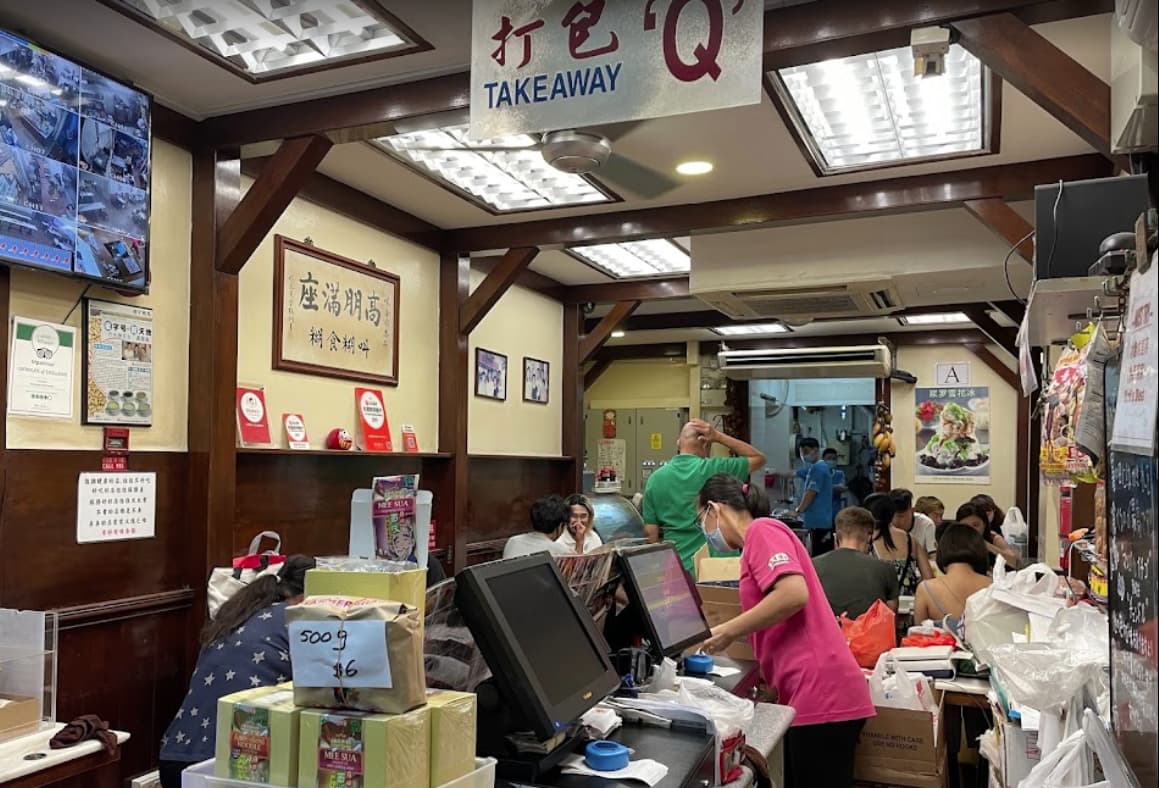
(606, 756)
(699, 664)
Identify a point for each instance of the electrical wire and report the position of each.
(76, 303)
(1054, 232)
(1006, 268)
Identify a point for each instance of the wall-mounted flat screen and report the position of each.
(74, 168)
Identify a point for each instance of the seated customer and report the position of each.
(962, 557)
(896, 547)
(975, 516)
(932, 507)
(917, 525)
(549, 515)
(853, 580)
(246, 646)
(579, 535)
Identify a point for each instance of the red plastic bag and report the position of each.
(871, 634)
(925, 641)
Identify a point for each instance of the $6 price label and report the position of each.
(340, 654)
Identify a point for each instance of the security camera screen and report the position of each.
(74, 168)
(667, 599)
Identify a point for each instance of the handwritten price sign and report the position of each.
(340, 654)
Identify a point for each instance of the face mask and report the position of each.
(807, 459)
(714, 538)
(831, 463)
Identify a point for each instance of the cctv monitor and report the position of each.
(549, 662)
(664, 596)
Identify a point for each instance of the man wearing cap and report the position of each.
(670, 495)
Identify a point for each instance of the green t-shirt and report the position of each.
(670, 498)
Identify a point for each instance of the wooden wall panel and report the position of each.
(306, 497)
(41, 565)
(125, 661)
(500, 491)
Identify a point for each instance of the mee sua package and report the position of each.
(394, 507)
(355, 750)
(257, 736)
(357, 654)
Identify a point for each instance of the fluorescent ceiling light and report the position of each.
(636, 259)
(751, 329)
(618, 335)
(270, 36)
(870, 110)
(934, 319)
(519, 180)
(694, 167)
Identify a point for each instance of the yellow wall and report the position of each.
(920, 361)
(646, 383)
(523, 323)
(49, 297)
(326, 403)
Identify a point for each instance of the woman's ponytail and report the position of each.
(732, 492)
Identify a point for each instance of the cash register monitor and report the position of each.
(663, 593)
(547, 658)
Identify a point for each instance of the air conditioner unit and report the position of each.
(1134, 79)
(865, 361)
(792, 304)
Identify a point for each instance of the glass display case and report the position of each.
(28, 657)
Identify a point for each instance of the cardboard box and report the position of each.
(18, 715)
(380, 749)
(409, 588)
(452, 735)
(905, 748)
(720, 604)
(257, 736)
(1020, 751)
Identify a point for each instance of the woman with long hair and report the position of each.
(981, 519)
(897, 547)
(790, 623)
(246, 646)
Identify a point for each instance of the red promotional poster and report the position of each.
(295, 427)
(410, 439)
(373, 427)
(253, 424)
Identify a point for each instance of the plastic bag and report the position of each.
(1067, 767)
(994, 614)
(1016, 531)
(731, 714)
(900, 689)
(871, 634)
(1060, 459)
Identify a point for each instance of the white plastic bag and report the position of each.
(1016, 531)
(900, 689)
(994, 614)
(1067, 767)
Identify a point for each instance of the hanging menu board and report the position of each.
(1131, 516)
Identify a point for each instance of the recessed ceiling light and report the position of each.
(636, 259)
(751, 329)
(694, 167)
(281, 37)
(870, 110)
(618, 335)
(934, 319)
(519, 180)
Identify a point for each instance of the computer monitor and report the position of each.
(665, 598)
(547, 658)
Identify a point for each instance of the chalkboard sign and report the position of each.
(1133, 555)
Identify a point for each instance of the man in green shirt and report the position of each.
(670, 495)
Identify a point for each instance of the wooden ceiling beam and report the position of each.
(638, 352)
(1006, 223)
(634, 290)
(1013, 310)
(995, 365)
(352, 203)
(901, 338)
(1000, 335)
(532, 280)
(602, 332)
(812, 32)
(269, 195)
(876, 197)
(490, 290)
(595, 372)
(1050, 77)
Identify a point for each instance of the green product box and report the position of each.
(257, 736)
(342, 749)
(408, 588)
(452, 735)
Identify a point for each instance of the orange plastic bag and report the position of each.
(871, 634)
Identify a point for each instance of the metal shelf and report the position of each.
(1055, 305)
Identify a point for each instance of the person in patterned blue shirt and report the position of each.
(246, 646)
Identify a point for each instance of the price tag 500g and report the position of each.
(340, 654)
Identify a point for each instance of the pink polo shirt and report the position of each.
(805, 657)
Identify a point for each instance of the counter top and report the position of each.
(770, 724)
(12, 752)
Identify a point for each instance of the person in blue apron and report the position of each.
(816, 507)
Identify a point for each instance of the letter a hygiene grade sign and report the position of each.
(568, 64)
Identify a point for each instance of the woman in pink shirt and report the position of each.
(796, 639)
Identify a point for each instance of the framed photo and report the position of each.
(536, 380)
(333, 316)
(490, 374)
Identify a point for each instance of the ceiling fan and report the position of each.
(581, 153)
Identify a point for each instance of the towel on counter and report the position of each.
(88, 726)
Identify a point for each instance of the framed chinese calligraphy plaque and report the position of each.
(334, 317)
